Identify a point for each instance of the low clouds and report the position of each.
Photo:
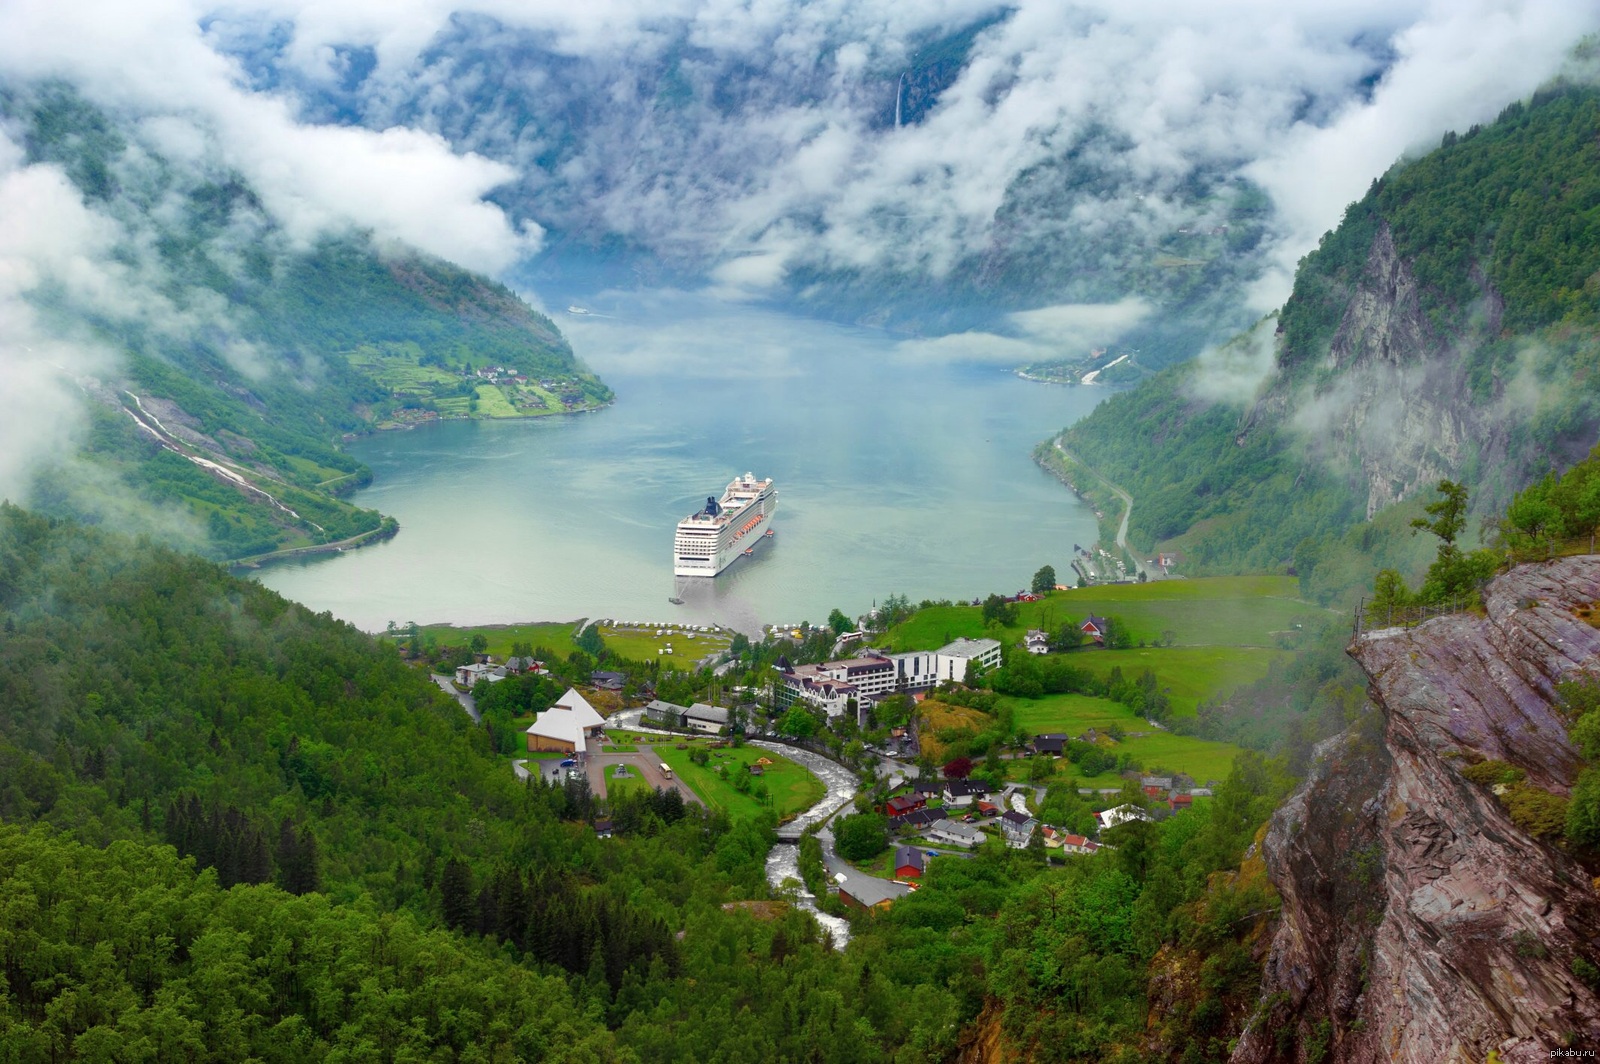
(753, 143)
(49, 240)
(1042, 335)
(1457, 65)
(1234, 372)
(750, 140)
(158, 65)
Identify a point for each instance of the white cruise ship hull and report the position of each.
(705, 544)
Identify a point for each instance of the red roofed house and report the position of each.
(1095, 627)
(902, 804)
(908, 863)
(1181, 801)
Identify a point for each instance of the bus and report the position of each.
(666, 770)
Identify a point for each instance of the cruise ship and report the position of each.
(709, 540)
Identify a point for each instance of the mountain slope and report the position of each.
(241, 354)
(1445, 329)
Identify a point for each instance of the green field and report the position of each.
(1239, 611)
(791, 787)
(1075, 714)
(398, 367)
(1188, 675)
(1072, 714)
(492, 402)
(557, 637)
(640, 643)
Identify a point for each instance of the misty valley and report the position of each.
(962, 533)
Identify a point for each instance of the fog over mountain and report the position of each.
(1159, 157)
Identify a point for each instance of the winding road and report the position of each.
(468, 703)
(1127, 507)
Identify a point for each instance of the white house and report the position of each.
(962, 793)
(954, 659)
(706, 718)
(1036, 641)
(467, 675)
(952, 833)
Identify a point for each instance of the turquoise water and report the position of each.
(895, 474)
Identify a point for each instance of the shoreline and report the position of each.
(386, 530)
(407, 426)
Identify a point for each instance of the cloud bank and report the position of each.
(156, 62)
(751, 141)
(762, 143)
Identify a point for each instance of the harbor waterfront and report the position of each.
(899, 476)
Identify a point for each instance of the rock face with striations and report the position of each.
(1419, 922)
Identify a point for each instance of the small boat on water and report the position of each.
(771, 532)
(675, 600)
(749, 551)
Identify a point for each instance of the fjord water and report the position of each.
(901, 468)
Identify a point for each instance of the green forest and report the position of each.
(234, 828)
(279, 352)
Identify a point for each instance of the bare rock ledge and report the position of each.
(1419, 923)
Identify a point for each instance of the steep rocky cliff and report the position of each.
(1391, 404)
(1420, 922)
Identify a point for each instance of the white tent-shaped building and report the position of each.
(566, 727)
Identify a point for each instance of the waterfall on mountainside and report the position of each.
(899, 93)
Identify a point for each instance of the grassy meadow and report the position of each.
(1225, 632)
(639, 642)
(1074, 714)
(1235, 611)
(1188, 675)
(501, 637)
(791, 787)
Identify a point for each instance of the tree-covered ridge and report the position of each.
(126, 954)
(1500, 230)
(1190, 464)
(135, 677)
(1509, 212)
(260, 354)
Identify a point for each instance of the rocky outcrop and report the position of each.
(1391, 403)
(1420, 923)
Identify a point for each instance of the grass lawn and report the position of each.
(882, 865)
(632, 782)
(640, 642)
(1257, 611)
(1200, 758)
(1072, 714)
(1189, 675)
(557, 637)
(790, 786)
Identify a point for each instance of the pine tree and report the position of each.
(456, 899)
